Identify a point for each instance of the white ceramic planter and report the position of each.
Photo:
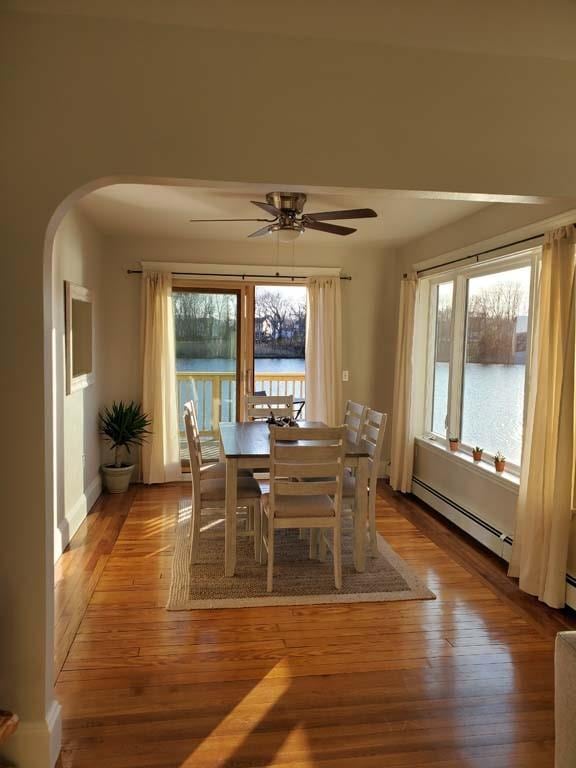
(117, 479)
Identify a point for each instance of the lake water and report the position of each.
(222, 365)
(493, 406)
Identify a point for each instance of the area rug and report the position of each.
(297, 580)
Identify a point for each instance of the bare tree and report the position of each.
(492, 322)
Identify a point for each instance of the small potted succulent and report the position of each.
(499, 462)
(453, 441)
(477, 453)
(122, 426)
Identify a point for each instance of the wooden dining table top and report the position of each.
(247, 439)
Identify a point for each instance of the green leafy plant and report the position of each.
(477, 449)
(499, 457)
(124, 426)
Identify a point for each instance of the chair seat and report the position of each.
(218, 469)
(214, 489)
(300, 506)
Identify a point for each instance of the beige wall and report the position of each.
(369, 306)
(77, 258)
(88, 97)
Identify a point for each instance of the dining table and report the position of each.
(246, 445)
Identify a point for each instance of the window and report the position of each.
(442, 304)
(495, 362)
(478, 352)
(280, 341)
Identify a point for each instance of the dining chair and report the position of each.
(214, 468)
(316, 504)
(372, 436)
(354, 417)
(209, 492)
(260, 406)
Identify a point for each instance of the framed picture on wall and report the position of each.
(79, 325)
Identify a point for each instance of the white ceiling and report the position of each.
(164, 211)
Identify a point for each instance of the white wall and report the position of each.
(478, 493)
(77, 258)
(369, 306)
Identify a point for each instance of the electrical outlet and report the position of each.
(345, 376)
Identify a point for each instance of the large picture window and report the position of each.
(478, 354)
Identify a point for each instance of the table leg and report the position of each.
(360, 514)
(231, 501)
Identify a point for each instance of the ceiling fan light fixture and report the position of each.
(288, 234)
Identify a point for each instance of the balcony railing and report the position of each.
(215, 394)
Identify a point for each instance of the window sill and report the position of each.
(465, 461)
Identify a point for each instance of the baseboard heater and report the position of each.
(495, 540)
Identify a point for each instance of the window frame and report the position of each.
(460, 277)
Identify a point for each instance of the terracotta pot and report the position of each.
(499, 465)
(117, 479)
(477, 455)
(453, 445)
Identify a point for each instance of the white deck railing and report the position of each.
(215, 393)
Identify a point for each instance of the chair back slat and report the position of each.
(354, 418)
(261, 406)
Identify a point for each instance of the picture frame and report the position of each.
(79, 336)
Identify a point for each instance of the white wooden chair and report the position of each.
(316, 504)
(212, 469)
(260, 406)
(372, 436)
(209, 492)
(354, 417)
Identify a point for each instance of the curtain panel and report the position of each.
(160, 454)
(324, 350)
(545, 500)
(402, 455)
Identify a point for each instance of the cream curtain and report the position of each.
(402, 456)
(160, 454)
(324, 350)
(540, 549)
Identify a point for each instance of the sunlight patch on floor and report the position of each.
(236, 727)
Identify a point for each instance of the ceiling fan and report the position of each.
(290, 221)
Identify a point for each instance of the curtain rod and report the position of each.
(477, 255)
(230, 274)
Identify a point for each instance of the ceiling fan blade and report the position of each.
(262, 231)
(272, 210)
(196, 220)
(333, 229)
(354, 213)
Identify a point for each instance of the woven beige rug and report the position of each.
(297, 580)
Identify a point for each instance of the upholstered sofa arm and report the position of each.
(565, 699)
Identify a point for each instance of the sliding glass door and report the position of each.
(280, 342)
(207, 325)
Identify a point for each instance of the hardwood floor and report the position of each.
(465, 680)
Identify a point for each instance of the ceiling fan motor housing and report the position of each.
(287, 202)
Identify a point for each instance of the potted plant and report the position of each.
(477, 453)
(499, 462)
(453, 443)
(122, 426)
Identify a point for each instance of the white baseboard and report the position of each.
(74, 519)
(36, 744)
(494, 540)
